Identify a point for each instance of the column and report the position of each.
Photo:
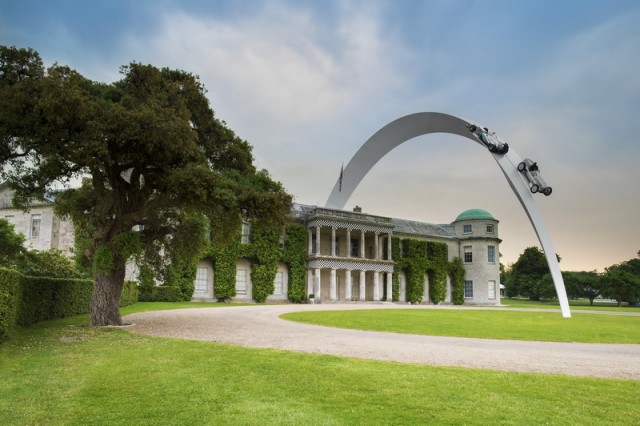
(363, 295)
(316, 283)
(332, 284)
(362, 244)
(376, 253)
(376, 286)
(389, 256)
(333, 241)
(389, 287)
(348, 242)
(310, 282)
(310, 242)
(318, 240)
(347, 285)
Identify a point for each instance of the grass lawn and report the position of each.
(63, 373)
(492, 324)
(573, 304)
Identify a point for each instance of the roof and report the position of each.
(403, 226)
(472, 214)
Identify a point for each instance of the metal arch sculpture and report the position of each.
(413, 125)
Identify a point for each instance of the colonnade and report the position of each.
(347, 294)
(377, 244)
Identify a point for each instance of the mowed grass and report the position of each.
(62, 373)
(491, 324)
(575, 305)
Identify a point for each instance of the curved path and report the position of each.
(261, 327)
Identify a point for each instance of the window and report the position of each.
(35, 225)
(337, 246)
(277, 284)
(241, 281)
(282, 241)
(489, 229)
(491, 254)
(201, 280)
(467, 229)
(468, 254)
(313, 243)
(354, 247)
(492, 290)
(246, 232)
(468, 289)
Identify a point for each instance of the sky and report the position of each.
(306, 83)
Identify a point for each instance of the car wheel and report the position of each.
(547, 191)
(534, 188)
(472, 128)
(521, 167)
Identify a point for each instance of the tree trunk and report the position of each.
(105, 300)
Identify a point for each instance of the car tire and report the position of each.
(534, 188)
(547, 191)
(521, 167)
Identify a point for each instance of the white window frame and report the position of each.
(491, 254)
(36, 222)
(468, 289)
(467, 229)
(241, 281)
(491, 290)
(246, 233)
(278, 284)
(490, 229)
(202, 280)
(467, 250)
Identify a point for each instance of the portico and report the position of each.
(349, 256)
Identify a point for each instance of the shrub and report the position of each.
(47, 298)
(160, 294)
(129, 293)
(10, 284)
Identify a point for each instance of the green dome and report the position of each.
(472, 214)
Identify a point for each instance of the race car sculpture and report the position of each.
(489, 139)
(530, 170)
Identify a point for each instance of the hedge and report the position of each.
(160, 294)
(28, 300)
(48, 298)
(10, 284)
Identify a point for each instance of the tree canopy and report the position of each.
(153, 158)
(525, 275)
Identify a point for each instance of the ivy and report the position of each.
(456, 271)
(418, 258)
(295, 257)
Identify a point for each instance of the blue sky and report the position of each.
(308, 82)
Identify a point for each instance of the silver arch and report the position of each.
(422, 123)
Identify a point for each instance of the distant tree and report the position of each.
(583, 284)
(525, 276)
(622, 281)
(153, 155)
(11, 245)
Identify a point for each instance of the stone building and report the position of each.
(43, 230)
(349, 256)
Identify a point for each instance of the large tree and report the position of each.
(622, 282)
(524, 278)
(153, 157)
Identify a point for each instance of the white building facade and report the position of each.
(349, 255)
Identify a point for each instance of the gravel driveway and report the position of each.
(260, 327)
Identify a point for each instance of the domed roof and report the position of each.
(472, 214)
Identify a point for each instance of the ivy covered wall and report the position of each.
(418, 258)
(264, 252)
